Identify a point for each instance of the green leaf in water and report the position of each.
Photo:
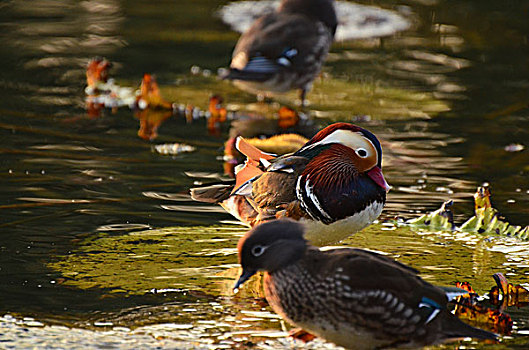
(487, 220)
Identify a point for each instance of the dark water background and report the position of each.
(76, 192)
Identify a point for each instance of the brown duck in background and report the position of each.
(352, 297)
(285, 49)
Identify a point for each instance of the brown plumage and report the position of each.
(352, 297)
(333, 184)
(285, 49)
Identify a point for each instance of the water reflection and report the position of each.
(54, 51)
(355, 21)
(218, 316)
(80, 195)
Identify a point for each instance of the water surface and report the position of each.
(98, 233)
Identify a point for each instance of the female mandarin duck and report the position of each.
(352, 297)
(333, 184)
(285, 49)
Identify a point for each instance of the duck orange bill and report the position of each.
(376, 175)
(245, 276)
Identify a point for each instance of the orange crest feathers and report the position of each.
(251, 167)
(250, 151)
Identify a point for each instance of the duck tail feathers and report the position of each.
(214, 193)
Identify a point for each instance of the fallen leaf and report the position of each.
(150, 96)
(468, 308)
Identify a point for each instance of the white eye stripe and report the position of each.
(354, 140)
(258, 250)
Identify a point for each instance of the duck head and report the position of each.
(269, 247)
(349, 144)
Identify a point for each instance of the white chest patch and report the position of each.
(321, 234)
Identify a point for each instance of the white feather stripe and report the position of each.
(351, 139)
(299, 195)
(283, 61)
(312, 196)
(432, 315)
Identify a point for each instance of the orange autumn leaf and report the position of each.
(217, 112)
(465, 286)
(506, 294)
(467, 308)
(97, 71)
(494, 320)
(217, 115)
(287, 118)
(150, 94)
(516, 296)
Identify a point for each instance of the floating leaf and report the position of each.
(493, 320)
(150, 96)
(217, 114)
(97, 72)
(506, 294)
(488, 220)
(441, 219)
(288, 117)
(468, 308)
(465, 286)
(102, 91)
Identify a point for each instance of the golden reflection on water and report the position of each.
(66, 174)
(200, 263)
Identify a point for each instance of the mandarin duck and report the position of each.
(333, 184)
(285, 49)
(354, 298)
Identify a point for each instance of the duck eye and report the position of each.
(258, 250)
(361, 152)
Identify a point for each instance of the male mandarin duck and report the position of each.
(285, 49)
(352, 297)
(333, 184)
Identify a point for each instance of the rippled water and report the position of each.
(98, 233)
